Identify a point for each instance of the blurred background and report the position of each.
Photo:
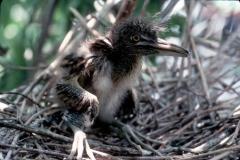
(31, 31)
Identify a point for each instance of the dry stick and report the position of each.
(26, 92)
(34, 116)
(230, 87)
(199, 66)
(28, 89)
(41, 154)
(138, 147)
(15, 139)
(205, 140)
(208, 43)
(210, 144)
(149, 158)
(210, 153)
(40, 132)
(17, 134)
(36, 130)
(44, 89)
(180, 79)
(6, 113)
(24, 96)
(221, 156)
(200, 113)
(34, 150)
(102, 147)
(230, 40)
(125, 10)
(16, 67)
(128, 131)
(235, 134)
(158, 90)
(165, 12)
(102, 13)
(105, 155)
(146, 137)
(144, 7)
(183, 128)
(202, 75)
(226, 72)
(46, 21)
(225, 89)
(84, 23)
(175, 103)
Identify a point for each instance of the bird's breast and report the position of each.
(111, 93)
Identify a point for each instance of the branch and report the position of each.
(46, 21)
(125, 10)
(37, 131)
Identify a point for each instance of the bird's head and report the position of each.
(137, 36)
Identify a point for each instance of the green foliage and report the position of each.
(12, 35)
(175, 26)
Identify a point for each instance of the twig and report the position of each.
(202, 75)
(235, 134)
(84, 23)
(125, 10)
(35, 150)
(210, 153)
(25, 96)
(46, 21)
(36, 130)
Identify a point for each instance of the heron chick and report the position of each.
(100, 75)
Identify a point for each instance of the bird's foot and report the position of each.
(79, 143)
(135, 139)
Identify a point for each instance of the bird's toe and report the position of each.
(89, 151)
(79, 143)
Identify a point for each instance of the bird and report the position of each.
(100, 75)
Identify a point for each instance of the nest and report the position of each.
(187, 110)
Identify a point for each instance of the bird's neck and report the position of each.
(124, 65)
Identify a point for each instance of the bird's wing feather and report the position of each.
(73, 66)
(75, 98)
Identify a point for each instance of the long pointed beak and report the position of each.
(167, 49)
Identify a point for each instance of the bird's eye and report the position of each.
(135, 38)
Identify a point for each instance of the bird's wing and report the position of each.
(72, 90)
(77, 66)
(101, 46)
(76, 98)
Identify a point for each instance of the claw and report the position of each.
(79, 142)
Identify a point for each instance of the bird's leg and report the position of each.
(83, 109)
(134, 138)
(77, 121)
(79, 143)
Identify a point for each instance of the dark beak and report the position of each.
(165, 48)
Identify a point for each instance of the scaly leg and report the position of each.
(77, 121)
(82, 110)
(79, 143)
